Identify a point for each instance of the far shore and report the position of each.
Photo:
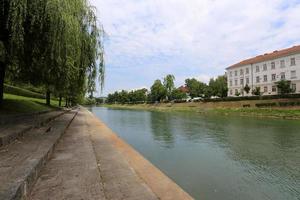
(220, 108)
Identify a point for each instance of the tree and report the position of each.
(158, 91)
(51, 43)
(196, 88)
(284, 87)
(247, 88)
(218, 86)
(169, 84)
(177, 94)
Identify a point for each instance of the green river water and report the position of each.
(216, 157)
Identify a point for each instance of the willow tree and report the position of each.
(52, 43)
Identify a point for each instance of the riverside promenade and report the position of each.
(89, 161)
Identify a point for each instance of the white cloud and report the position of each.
(188, 37)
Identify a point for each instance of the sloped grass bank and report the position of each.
(9, 89)
(14, 104)
(284, 113)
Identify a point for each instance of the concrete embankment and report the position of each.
(92, 162)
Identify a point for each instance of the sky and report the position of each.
(148, 39)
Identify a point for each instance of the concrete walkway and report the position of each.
(91, 162)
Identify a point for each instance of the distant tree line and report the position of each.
(165, 90)
(52, 44)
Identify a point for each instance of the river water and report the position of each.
(216, 157)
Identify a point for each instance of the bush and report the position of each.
(267, 97)
(22, 92)
(284, 104)
(259, 105)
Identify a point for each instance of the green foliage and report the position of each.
(135, 96)
(195, 87)
(284, 87)
(247, 88)
(21, 92)
(178, 95)
(158, 91)
(169, 84)
(90, 101)
(218, 87)
(256, 91)
(52, 43)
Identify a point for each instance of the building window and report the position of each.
(274, 88)
(241, 72)
(242, 81)
(273, 77)
(230, 91)
(265, 67)
(282, 63)
(230, 83)
(247, 70)
(257, 68)
(273, 65)
(236, 92)
(293, 61)
(294, 87)
(282, 76)
(235, 82)
(265, 78)
(235, 73)
(230, 74)
(293, 74)
(247, 80)
(265, 89)
(257, 79)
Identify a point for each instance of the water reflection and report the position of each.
(216, 157)
(161, 129)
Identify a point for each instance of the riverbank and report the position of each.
(115, 170)
(227, 108)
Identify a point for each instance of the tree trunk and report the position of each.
(48, 93)
(66, 103)
(60, 98)
(2, 76)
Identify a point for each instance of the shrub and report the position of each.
(246, 106)
(22, 92)
(266, 104)
(284, 104)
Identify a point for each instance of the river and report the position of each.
(216, 157)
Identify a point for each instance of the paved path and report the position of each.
(21, 161)
(91, 162)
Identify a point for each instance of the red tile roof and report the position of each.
(184, 89)
(268, 56)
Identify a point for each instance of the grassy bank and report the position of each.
(14, 104)
(286, 113)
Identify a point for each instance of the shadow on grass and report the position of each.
(15, 106)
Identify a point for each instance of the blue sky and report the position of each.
(148, 39)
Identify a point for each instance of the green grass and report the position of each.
(285, 113)
(19, 104)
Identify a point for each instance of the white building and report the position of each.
(264, 71)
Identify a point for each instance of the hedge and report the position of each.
(21, 92)
(266, 104)
(267, 97)
(283, 104)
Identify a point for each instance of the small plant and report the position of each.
(256, 91)
(247, 88)
(284, 87)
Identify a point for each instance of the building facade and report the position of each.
(264, 71)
